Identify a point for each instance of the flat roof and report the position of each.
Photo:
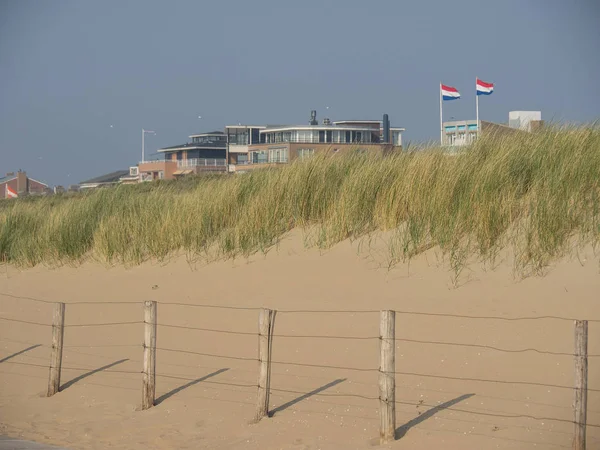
(112, 177)
(245, 126)
(357, 121)
(322, 127)
(212, 133)
(199, 146)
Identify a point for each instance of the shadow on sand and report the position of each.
(20, 353)
(169, 394)
(402, 430)
(305, 396)
(70, 383)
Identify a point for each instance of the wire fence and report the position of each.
(281, 338)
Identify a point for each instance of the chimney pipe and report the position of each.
(386, 129)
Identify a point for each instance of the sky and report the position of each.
(80, 79)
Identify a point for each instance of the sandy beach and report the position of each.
(463, 382)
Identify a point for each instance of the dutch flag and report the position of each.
(9, 192)
(484, 88)
(449, 93)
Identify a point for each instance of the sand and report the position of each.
(447, 394)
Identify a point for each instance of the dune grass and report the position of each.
(538, 194)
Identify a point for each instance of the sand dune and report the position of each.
(450, 395)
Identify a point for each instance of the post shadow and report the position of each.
(402, 430)
(305, 396)
(20, 353)
(169, 394)
(70, 383)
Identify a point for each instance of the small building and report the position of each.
(205, 153)
(251, 147)
(19, 184)
(107, 180)
(458, 133)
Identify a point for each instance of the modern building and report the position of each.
(251, 147)
(460, 132)
(18, 184)
(205, 153)
(239, 140)
(464, 132)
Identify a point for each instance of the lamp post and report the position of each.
(143, 144)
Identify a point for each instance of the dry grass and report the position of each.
(536, 193)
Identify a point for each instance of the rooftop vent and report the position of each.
(326, 121)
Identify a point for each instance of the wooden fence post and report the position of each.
(266, 324)
(58, 333)
(387, 376)
(581, 372)
(149, 379)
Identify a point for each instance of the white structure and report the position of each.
(522, 119)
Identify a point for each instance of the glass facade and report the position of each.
(209, 139)
(322, 136)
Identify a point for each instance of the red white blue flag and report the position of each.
(484, 88)
(449, 92)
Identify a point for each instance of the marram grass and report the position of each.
(536, 194)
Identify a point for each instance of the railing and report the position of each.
(264, 161)
(316, 140)
(195, 162)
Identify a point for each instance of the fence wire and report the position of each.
(184, 377)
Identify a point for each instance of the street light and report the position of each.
(143, 146)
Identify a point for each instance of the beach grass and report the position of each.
(535, 193)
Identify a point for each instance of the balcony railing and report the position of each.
(317, 140)
(195, 162)
(275, 160)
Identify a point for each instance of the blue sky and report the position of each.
(70, 69)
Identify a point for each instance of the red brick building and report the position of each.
(20, 184)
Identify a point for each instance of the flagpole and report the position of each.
(477, 107)
(441, 121)
(143, 145)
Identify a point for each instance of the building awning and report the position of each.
(183, 172)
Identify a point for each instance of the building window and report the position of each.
(307, 136)
(348, 137)
(305, 153)
(161, 175)
(259, 157)
(238, 137)
(278, 155)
